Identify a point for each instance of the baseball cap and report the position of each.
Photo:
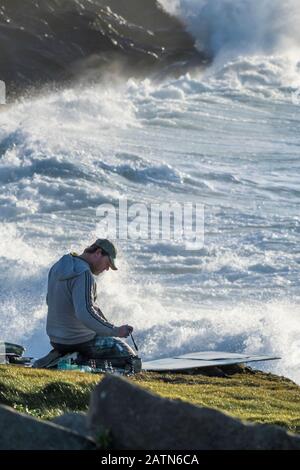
(109, 249)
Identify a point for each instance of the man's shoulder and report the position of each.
(69, 266)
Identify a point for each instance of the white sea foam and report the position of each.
(254, 44)
(234, 26)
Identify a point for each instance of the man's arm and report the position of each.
(86, 311)
(48, 285)
(95, 295)
(100, 312)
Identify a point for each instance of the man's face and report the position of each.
(101, 262)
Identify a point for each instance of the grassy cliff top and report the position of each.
(256, 397)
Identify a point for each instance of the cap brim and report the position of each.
(112, 264)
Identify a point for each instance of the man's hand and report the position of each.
(125, 331)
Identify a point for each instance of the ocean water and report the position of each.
(226, 136)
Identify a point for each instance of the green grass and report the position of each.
(259, 397)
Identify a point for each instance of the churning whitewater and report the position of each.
(225, 136)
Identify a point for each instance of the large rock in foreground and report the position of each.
(76, 422)
(138, 419)
(21, 432)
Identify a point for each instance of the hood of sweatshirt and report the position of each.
(69, 266)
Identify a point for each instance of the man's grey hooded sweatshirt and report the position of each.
(73, 316)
